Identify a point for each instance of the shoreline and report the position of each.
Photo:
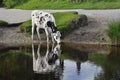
(62, 41)
(93, 33)
(66, 45)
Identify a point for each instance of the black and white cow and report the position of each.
(45, 21)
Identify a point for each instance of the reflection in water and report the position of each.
(15, 66)
(87, 71)
(78, 64)
(112, 65)
(73, 64)
(46, 63)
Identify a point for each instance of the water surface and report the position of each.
(60, 62)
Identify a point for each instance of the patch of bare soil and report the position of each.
(10, 35)
(94, 32)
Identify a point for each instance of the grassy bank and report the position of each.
(13, 3)
(114, 32)
(3, 23)
(63, 21)
(62, 4)
(6, 24)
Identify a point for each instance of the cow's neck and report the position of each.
(54, 29)
(52, 26)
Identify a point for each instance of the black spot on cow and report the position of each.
(46, 15)
(42, 19)
(41, 13)
(52, 26)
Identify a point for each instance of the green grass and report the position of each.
(12, 3)
(63, 4)
(3, 23)
(114, 31)
(26, 26)
(63, 21)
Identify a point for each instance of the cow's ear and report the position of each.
(49, 24)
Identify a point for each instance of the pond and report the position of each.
(66, 61)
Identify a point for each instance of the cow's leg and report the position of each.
(34, 59)
(47, 51)
(38, 51)
(38, 34)
(52, 38)
(53, 46)
(33, 51)
(33, 28)
(47, 56)
(47, 35)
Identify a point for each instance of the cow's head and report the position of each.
(56, 33)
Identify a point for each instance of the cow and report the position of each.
(46, 21)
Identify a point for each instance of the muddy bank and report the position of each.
(12, 36)
(95, 32)
(89, 48)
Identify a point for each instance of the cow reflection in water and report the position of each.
(45, 63)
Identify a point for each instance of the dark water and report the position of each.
(60, 62)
